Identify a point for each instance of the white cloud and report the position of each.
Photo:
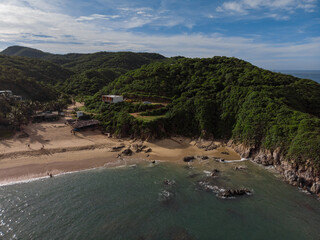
(60, 33)
(245, 6)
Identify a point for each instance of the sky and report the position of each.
(273, 34)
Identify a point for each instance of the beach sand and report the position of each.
(23, 158)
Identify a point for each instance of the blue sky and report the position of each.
(273, 34)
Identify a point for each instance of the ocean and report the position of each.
(308, 74)
(134, 203)
(130, 203)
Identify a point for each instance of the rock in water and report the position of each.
(230, 193)
(165, 196)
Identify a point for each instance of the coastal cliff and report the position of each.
(304, 176)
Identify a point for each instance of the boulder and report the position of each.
(148, 150)
(188, 159)
(315, 188)
(127, 152)
(229, 193)
(118, 148)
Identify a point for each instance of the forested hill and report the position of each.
(31, 78)
(228, 98)
(82, 62)
(20, 51)
(92, 71)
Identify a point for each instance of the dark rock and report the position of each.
(290, 176)
(139, 147)
(225, 153)
(315, 188)
(188, 159)
(229, 193)
(148, 150)
(204, 157)
(127, 152)
(221, 192)
(117, 148)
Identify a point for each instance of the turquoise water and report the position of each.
(126, 203)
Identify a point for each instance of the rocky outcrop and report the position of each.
(303, 176)
(188, 158)
(222, 192)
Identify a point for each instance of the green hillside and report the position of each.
(20, 51)
(31, 78)
(221, 97)
(92, 71)
(82, 62)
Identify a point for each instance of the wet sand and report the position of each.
(24, 158)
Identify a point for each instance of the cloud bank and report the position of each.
(35, 23)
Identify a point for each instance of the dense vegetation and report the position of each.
(222, 98)
(218, 97)
(90, 72)
(32, 79)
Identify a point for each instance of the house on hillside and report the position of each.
(112, 98)
(8, 94)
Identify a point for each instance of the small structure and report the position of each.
(79, 114)
(82, 124)
(112, 98)
(6, 93)
(45, 116)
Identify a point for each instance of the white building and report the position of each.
(7, 93)
(112, 98)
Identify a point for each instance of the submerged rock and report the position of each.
(240, 168)
(169, 182)
(165, 196)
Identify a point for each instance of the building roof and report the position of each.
(112, 96)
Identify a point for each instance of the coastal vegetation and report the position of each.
(224, 98)
(219, 97)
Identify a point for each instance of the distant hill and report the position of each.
(32, 78)
(25, 52)
(82, 62)
(92, 71)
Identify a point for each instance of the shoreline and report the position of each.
(50, 148)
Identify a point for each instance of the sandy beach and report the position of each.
(51, 147)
